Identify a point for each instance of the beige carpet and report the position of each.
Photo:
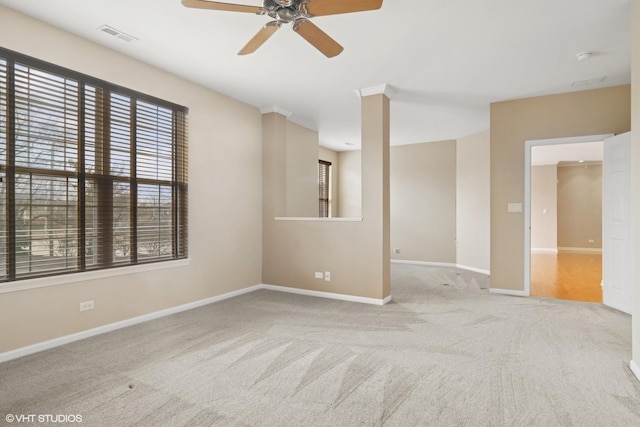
(444, 353)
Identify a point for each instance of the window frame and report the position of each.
(324, 189)
(178, 183)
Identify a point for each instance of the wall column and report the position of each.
(375, 104)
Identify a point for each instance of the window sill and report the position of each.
(63, 279)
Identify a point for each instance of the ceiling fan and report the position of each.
(295, 12)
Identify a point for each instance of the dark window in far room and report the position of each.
(324, 188)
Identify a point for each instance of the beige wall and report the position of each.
(423, 201)
(544, 207)
(302, 171)
(332, 156)
(591, 112)
(224, 199)
(580, 206)
(290, 159)
(473, 201)
(635, 178)
(274, 165)
(356, 253)
(350, 184)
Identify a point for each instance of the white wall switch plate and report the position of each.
(514, 207)
(86, 305)
(327, 276)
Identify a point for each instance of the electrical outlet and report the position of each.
(327, 276)
(319, 275)
(86, 305)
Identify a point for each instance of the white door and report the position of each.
(616, 221)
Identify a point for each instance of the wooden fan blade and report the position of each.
(334, 7)
(214, 5)
(318, 38)
(261, 36)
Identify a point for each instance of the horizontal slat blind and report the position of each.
(46, 172)
(46, 109)
(324, 168)
(154, 142)
(154, 167)
(3, 171)
(92, 175)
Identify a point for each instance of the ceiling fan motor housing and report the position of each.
(285, 10)
(283, 3)
(287, 14)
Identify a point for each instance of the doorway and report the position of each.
(563, 241)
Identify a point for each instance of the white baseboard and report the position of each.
(320, 294)
(635, 369)
(56, 342)
(441, 264)
(474, 269)
(507, 292)
(553, 251)
(428, 264)
(581, 250)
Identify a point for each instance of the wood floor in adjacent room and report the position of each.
(569, 276)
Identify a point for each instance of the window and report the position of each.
(324, 188)
(92, 175)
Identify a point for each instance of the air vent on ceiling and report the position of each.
(117, 33)
(588, 82)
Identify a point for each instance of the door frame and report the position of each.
(529, 144)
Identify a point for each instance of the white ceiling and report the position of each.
(576, 152)
(447, 59)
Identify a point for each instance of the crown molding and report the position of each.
(290, 116)
(383, 89)
(275, 109)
